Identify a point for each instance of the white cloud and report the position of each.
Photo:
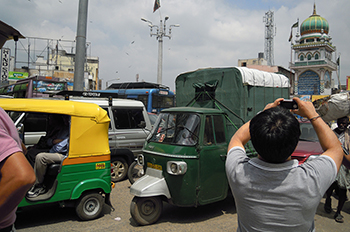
(211, 33)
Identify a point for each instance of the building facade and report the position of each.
(51, 58)
(314, 57)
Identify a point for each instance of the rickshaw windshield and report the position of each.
(177, 129)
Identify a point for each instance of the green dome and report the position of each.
(314, 24)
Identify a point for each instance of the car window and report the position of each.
(152, 118)
(208, 131)
(128, 118)
(14, 115)
(106, 109)
(35, 122)
(219, 129)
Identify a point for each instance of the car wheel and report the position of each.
(119, 169)
(135, 172)
(146, 210)
(89, 206)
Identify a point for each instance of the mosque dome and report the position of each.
(314, 26)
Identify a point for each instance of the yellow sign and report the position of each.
(316, 97)
(100, 165)
(154, 166)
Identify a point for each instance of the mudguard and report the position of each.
(90, 185)
(151, 184)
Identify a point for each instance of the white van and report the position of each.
(128, 129)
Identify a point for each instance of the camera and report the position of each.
(289, 104)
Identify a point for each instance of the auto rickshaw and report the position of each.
(83, 178)
(184, 158)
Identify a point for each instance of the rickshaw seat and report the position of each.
(53, 169)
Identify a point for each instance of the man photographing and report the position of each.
(272, 192)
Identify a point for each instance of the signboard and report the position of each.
(43, 86)
(17, 75)
(5, 64)
(309, 83)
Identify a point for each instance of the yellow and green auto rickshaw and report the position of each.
(83, 178)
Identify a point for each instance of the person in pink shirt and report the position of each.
(16, 174)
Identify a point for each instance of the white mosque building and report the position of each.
(314, 58)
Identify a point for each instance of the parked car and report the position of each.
(308, 147)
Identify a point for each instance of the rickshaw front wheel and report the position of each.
(89, 206)
(135, 172)
(146, 210)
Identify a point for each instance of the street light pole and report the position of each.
(161, 32)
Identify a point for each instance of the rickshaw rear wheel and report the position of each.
(119, 169)
(89, 206)
(146, 210)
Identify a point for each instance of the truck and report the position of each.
(184, 156)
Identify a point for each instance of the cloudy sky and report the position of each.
(212, 33)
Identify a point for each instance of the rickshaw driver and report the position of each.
(57, 132)
(264, 187)
(44, 159)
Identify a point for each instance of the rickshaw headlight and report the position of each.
(140, 160)
(176, 167)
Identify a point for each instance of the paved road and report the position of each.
(216, 217)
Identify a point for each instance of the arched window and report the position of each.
(309, 57)
(316, 56)
(302, 58)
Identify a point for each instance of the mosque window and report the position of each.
(316, 56)
(302, 58)
(309, 57)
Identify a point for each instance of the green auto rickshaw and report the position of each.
(184, 158)
(83, 178)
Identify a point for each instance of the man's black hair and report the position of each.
(275, 134)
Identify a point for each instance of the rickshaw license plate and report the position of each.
(100, 166)
(154, 166)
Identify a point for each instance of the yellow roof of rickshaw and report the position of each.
(72, 108)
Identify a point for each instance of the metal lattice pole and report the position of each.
(269, 34)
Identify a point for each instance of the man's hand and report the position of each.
(274, 104)
(305, 109)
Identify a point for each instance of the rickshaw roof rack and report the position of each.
(67, 94)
